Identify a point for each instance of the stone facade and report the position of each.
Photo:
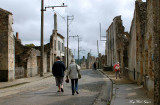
(143, 52)
(90, 61)
(26, 58)
(116, 39)
(155, 7)
(18, 60)
(7, 57)
(140, 67)
(58, 42)
(83, 63)
(136, 45)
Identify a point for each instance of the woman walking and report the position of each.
(73, 71)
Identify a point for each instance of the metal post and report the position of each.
(42, 32)
(97, 47)
(74, 52)
(78, 50)
(68, 39)
(42, 47)
(67, 44)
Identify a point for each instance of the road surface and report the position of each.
(44, 92)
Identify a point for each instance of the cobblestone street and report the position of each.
(44, 92)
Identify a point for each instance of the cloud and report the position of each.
(87, 16)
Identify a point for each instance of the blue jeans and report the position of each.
(74, 85)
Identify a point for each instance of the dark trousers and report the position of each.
(74, 85)
(118, 72)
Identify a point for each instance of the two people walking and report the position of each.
(58, 71)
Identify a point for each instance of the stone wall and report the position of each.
(83, 63)
(90, 61)
(140, 65)
(115, 45)
(7, 57)
(140, 12)
(136, 47)
(32, 68)
(148, 51)
(25, 59)
(155, 4)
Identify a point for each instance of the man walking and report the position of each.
(58, 69)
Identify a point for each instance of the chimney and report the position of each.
(55, 21)
(17, 35)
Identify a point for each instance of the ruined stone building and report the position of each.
(18, 60)
(143, 50)
(139, 51)
(7, 41)
(26, 60)
(58, 41)
(116, 40)
(83, 63)
(90, 61)
(155, 11)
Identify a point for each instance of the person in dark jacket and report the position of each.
(58, 69)
(94, 65)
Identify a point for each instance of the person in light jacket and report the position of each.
(73, 70)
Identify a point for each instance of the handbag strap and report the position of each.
(77, 68)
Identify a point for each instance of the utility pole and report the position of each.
(78, 46)
(42, 47)
(42, 33)
(74, 52)
(68, 18)
(97, 48)
(78, 51)
(79, 55)
(90, 51)
(100, 33)
(67, 43)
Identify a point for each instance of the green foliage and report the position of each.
(30, 45)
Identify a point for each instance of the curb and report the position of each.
(113, 88)
(22, 83)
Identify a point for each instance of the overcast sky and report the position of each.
(87, 16)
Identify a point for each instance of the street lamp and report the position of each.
(42, 32)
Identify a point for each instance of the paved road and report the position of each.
(44, 92)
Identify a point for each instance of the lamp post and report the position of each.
(78, 46)
(42, 33)
(68, 18)
(42, 46)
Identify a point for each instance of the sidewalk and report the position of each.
(22, 81)
(126, 92)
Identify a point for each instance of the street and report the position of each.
(44, 92)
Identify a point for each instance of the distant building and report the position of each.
(83, 63)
